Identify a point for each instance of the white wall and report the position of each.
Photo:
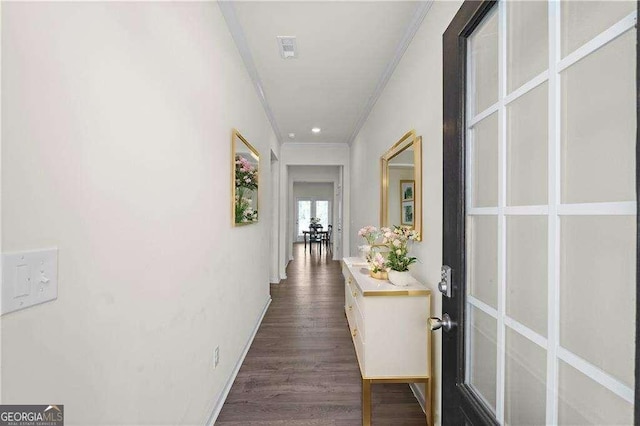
(315, 154)
(116, 136)
(411, 100)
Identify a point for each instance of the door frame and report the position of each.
(636, 408)
(456, 395)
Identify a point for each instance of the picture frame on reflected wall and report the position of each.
(407, 214)
(407, 189)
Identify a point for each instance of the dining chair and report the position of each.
(326, 237)
(315, 237)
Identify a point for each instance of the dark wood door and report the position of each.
(460, 404)
(463, 403)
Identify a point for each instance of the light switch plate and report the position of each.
(29, 278)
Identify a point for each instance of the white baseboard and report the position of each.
(225, 392)
(417, 392)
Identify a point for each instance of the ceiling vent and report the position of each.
(287, 47)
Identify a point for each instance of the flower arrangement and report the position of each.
(246, 174)
(370, 234)
(398, 243)
(315, 220)
(243, 210)
(246, 177)
(378, 263)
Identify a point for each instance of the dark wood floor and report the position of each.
(302, 368)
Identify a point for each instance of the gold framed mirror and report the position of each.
(245, 165)
(401, 183)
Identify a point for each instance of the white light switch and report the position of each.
(29, 278)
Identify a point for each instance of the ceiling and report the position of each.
(347, 50)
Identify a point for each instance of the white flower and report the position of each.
(398, 252)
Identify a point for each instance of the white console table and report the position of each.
(388, 325)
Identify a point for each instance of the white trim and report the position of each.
(235, 28)
(469, 198)
(615, 31)
(616, 208)
(527, 87)
(469, 190)
(225, 391)
(525, 331)
(477, 303)
(553, 234)
(421, 11)
(526, 210)
(482, 211)
(1, 192)
(484, 114)
(598, 375)
(507, 99)
(313, 144)
(502, 221)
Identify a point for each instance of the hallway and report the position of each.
(301, 368)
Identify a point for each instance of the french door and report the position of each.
(540, 223)
(308, 208)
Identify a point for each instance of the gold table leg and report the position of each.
(366, 402)
(428, 403)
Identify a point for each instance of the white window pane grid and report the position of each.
(525, 381)
(554, 211)
(598, 119)
(304, 216)
(322, 212)
(481, 366)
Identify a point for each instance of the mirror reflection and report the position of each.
(246, 162)
(401, 182)
(401, 203)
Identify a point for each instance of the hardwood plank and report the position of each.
(301, 368)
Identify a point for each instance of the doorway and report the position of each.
(540, 224)
(274, 241)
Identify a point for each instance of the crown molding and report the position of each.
(229, 13)
(315, 144)
(421, 11)
(235, 28)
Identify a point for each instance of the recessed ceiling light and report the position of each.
(292, 135)
(316, 130)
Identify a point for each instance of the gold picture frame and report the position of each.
(409, 147)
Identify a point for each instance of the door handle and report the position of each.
(446, 323)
